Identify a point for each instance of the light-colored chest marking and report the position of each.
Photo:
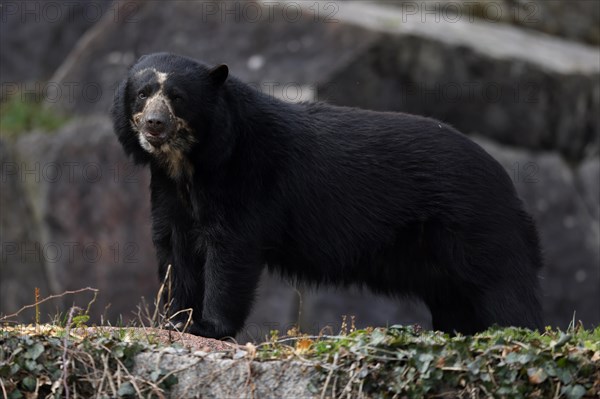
(175, 161)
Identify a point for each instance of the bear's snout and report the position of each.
(157, 123)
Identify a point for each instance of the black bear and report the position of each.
(402, 204)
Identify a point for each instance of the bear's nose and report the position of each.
(155, 123)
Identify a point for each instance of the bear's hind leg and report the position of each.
(466, 307)
(452, 311)
(481, 284)
(513, 302)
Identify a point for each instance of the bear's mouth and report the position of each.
(154, 138)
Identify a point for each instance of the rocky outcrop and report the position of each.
(36, 36)
(575, 19)
(21, 266)
(588, 178)
(324, 309)
(569, 235)
(90, 207)
(223, 34)
(482, 78)
(275, 309)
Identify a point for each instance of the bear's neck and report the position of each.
(250, 131)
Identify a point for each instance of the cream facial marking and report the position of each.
(145, 144)
(171, 154)
(161, 77)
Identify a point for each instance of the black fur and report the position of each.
(401, 204)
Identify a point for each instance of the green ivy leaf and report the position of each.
(126, 389)
(30, 365)
(573, 391)
(4, 370)
(377, 337)
(118, 352)
(16, 394)
(155, 375)
(79, 320)
(29, 383)
(536, 375)
(425, 359)
(564, 338)
(34, 351)
(564, 375)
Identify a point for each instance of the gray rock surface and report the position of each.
(90, 206)
(21, 264)
(36, 36)
(570, 237)
(572, 19)
(588, 179)
(265, 51)
(225, 378)
(275, 308)
(517, 87)
(323, 310)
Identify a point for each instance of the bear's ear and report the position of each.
(141, 58)
(119, 98)
(219, 74)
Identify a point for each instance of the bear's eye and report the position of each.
(177, 99)
(142, 95)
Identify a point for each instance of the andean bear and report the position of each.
(401, 204)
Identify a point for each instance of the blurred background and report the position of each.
(520, 77)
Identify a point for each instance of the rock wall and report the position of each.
(87, 209)
(36, 36)
(575, 20)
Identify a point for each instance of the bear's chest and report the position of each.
(188, 200)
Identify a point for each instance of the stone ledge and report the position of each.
(206, 377)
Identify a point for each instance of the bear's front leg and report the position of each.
(231, 275)
(184, 287)
(175, 243)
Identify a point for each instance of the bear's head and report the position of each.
(165, 107)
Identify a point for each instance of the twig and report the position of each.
(190, 312)
(453, 369)
(557, 390)
(352, 373)
(160, 294)
(298, 320)
(4, 394)
(4, 318)
(111, 383)
(335, 359)
(65, 360)
(37, 310)
(121, 365)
